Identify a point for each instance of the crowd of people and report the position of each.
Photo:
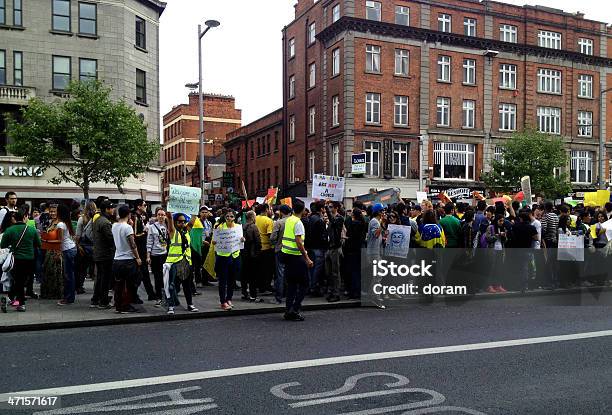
(289, 252)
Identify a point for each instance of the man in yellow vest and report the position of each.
(179, 259)
(297, 262)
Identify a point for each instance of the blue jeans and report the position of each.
(279, 281)
(317, 272)
(227, 269)
(69, 272)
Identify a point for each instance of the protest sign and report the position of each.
(183, 199)
(270, 198)
(590, 199)
(398, 241)
(260, 200)
(603, 197)
(287, 201)
(420, 196)
(526, 188)
(228, 240)
(386, 197)
(328, 187)
(571, 248)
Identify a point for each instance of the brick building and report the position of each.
(443, 83)
(180, 148)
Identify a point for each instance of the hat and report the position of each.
(378, 207)
(285, 209)
(107, 204)
(204, 207)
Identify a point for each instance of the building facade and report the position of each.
(181, 150)
(45, 44)
(430, 90)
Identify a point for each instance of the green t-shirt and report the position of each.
(31, 239)
(452, 230)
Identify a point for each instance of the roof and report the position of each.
(157, 5)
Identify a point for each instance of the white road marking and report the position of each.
(436, 397)
(221, 373)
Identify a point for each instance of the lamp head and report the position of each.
(212, 23)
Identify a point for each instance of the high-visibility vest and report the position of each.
(289, 245)
(234, 254)
(175, 251)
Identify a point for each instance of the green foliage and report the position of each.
(86, 138)
(534, 154)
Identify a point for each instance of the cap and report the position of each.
(378, 207)
(107, 204)
(285, 209)
(204, 207)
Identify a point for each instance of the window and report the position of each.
(444, 68)
(443, 112)
(2, 11)
(469, 26)
(276, 181)
(17, 69)
(469, 113)
(335, 161)
(268, 148)
(335, 13)
(508, 33)
(586, 46)
(87, 18)
(311, 164)
(312, 32)
(549, 81)
(61, 15)
(469, 71)
(549, 120)
(291, 48)
(444, 22)
(312, 79)
(292, 169)
(373, 10)
(17, 13)
(311, 120)
(548, 39)
(507, 117)
(498, 154)
(581, 167)
(252, 149)
(336, 62)
(2, 67)
(141, 86)
(291, 86)
(401, 62)
(88, 69)
(585, 124)
(275, 140)
(402, 15)
(291, 128)
(141, 33)
(372, 58)
(400, 160)
(372, 108)
(507, 76)
(454, 161)
(585, 86)
(401, 111)
(61, 72)
(372, 152)
(335, 111)
(259, 146)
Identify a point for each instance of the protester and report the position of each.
(276, 238)
(496, 236)
(52, 286)
(103, 254)
(179, 261)
(266, 261)
(11, 205)
(140, 220)
(333, 255)
(84, 240)
(227, 264)
(126, 262)
(356, 231)
(250, 259)
(317, 244)
(452, 226)
(65, 234)
(157, 252)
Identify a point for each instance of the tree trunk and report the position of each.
(86, 187)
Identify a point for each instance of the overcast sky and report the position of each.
(243, 57)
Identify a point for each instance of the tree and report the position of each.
(534, 154)
(86, 138)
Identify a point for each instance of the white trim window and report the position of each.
(469, 26)
(507, 76)
(581, 167)
(508, 33)
(292, 169)
(549, 120)
(469, 71)
(373, 11)
(372, 152)
(444, 22)
(312, 33)
(549, 81)
(402, 62)
(373, 58)
(444, 68)
(312, 116)
(312, 77)
(507, 117)
(335, 13)
(372, 108)
(336, 62)
(291, 47)
(454, 161)
(585, 86)
(469, 113)
(401, 111)
(498, 154)
(335, 111)
(443, 112)
(291, 128)
(311, 164)
(400, 160)
(402, 15)
(292, 86)
(548, 39)
(335, 159)
(585, 124)
(585, 46)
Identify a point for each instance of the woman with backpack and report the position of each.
(496, 236)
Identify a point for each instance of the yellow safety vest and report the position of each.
(289, 245)
(234, 254)
(175, 252)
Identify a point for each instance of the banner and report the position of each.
(287, 201)
(386, 197)
(327, 187)
(398, 241)
(228, 240)
(183, 199)
(526, 188)
(571, 248)
(270, 198)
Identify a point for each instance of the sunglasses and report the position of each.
(181, 221)
(229, 217)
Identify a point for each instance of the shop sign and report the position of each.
(358, 163)
(457, 193)
(21, 171)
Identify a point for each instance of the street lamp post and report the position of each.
(602, 141)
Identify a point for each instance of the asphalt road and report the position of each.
(552, 377)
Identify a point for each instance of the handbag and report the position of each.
(9, 262)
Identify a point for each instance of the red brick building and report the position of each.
(180, 148)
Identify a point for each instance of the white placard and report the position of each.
(183, 199)
(327, 187)
(398, 241)
(571, 248)
(420, 196)
(228, 240)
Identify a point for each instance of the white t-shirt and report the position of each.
(121, 231)
(538, 225)
(298, 230)
(67, 241)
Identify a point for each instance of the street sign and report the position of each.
(216, 184)
(228, 179)
(358, 163)
(230, 190)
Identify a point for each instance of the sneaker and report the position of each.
(130, 310)
(63, 303)
(14, 303)
(258, 300)
(229, 303)
(298, 317)
(491, 290)
(333, 299)
(500, 289)
(158, 303)
(196, 293)
(20, 308)
(226, 306)
(170, 310)
(192, 309)
(104, 306)
(3, 304)
(138, 301)
(94, 304)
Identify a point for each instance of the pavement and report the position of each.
(510, 356)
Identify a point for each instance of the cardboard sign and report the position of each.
(386, 197)
(398, 241)
(327, 187)
(183, 199)
(571, 248)
(228, 240)
(526, 188)
(420, 196)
